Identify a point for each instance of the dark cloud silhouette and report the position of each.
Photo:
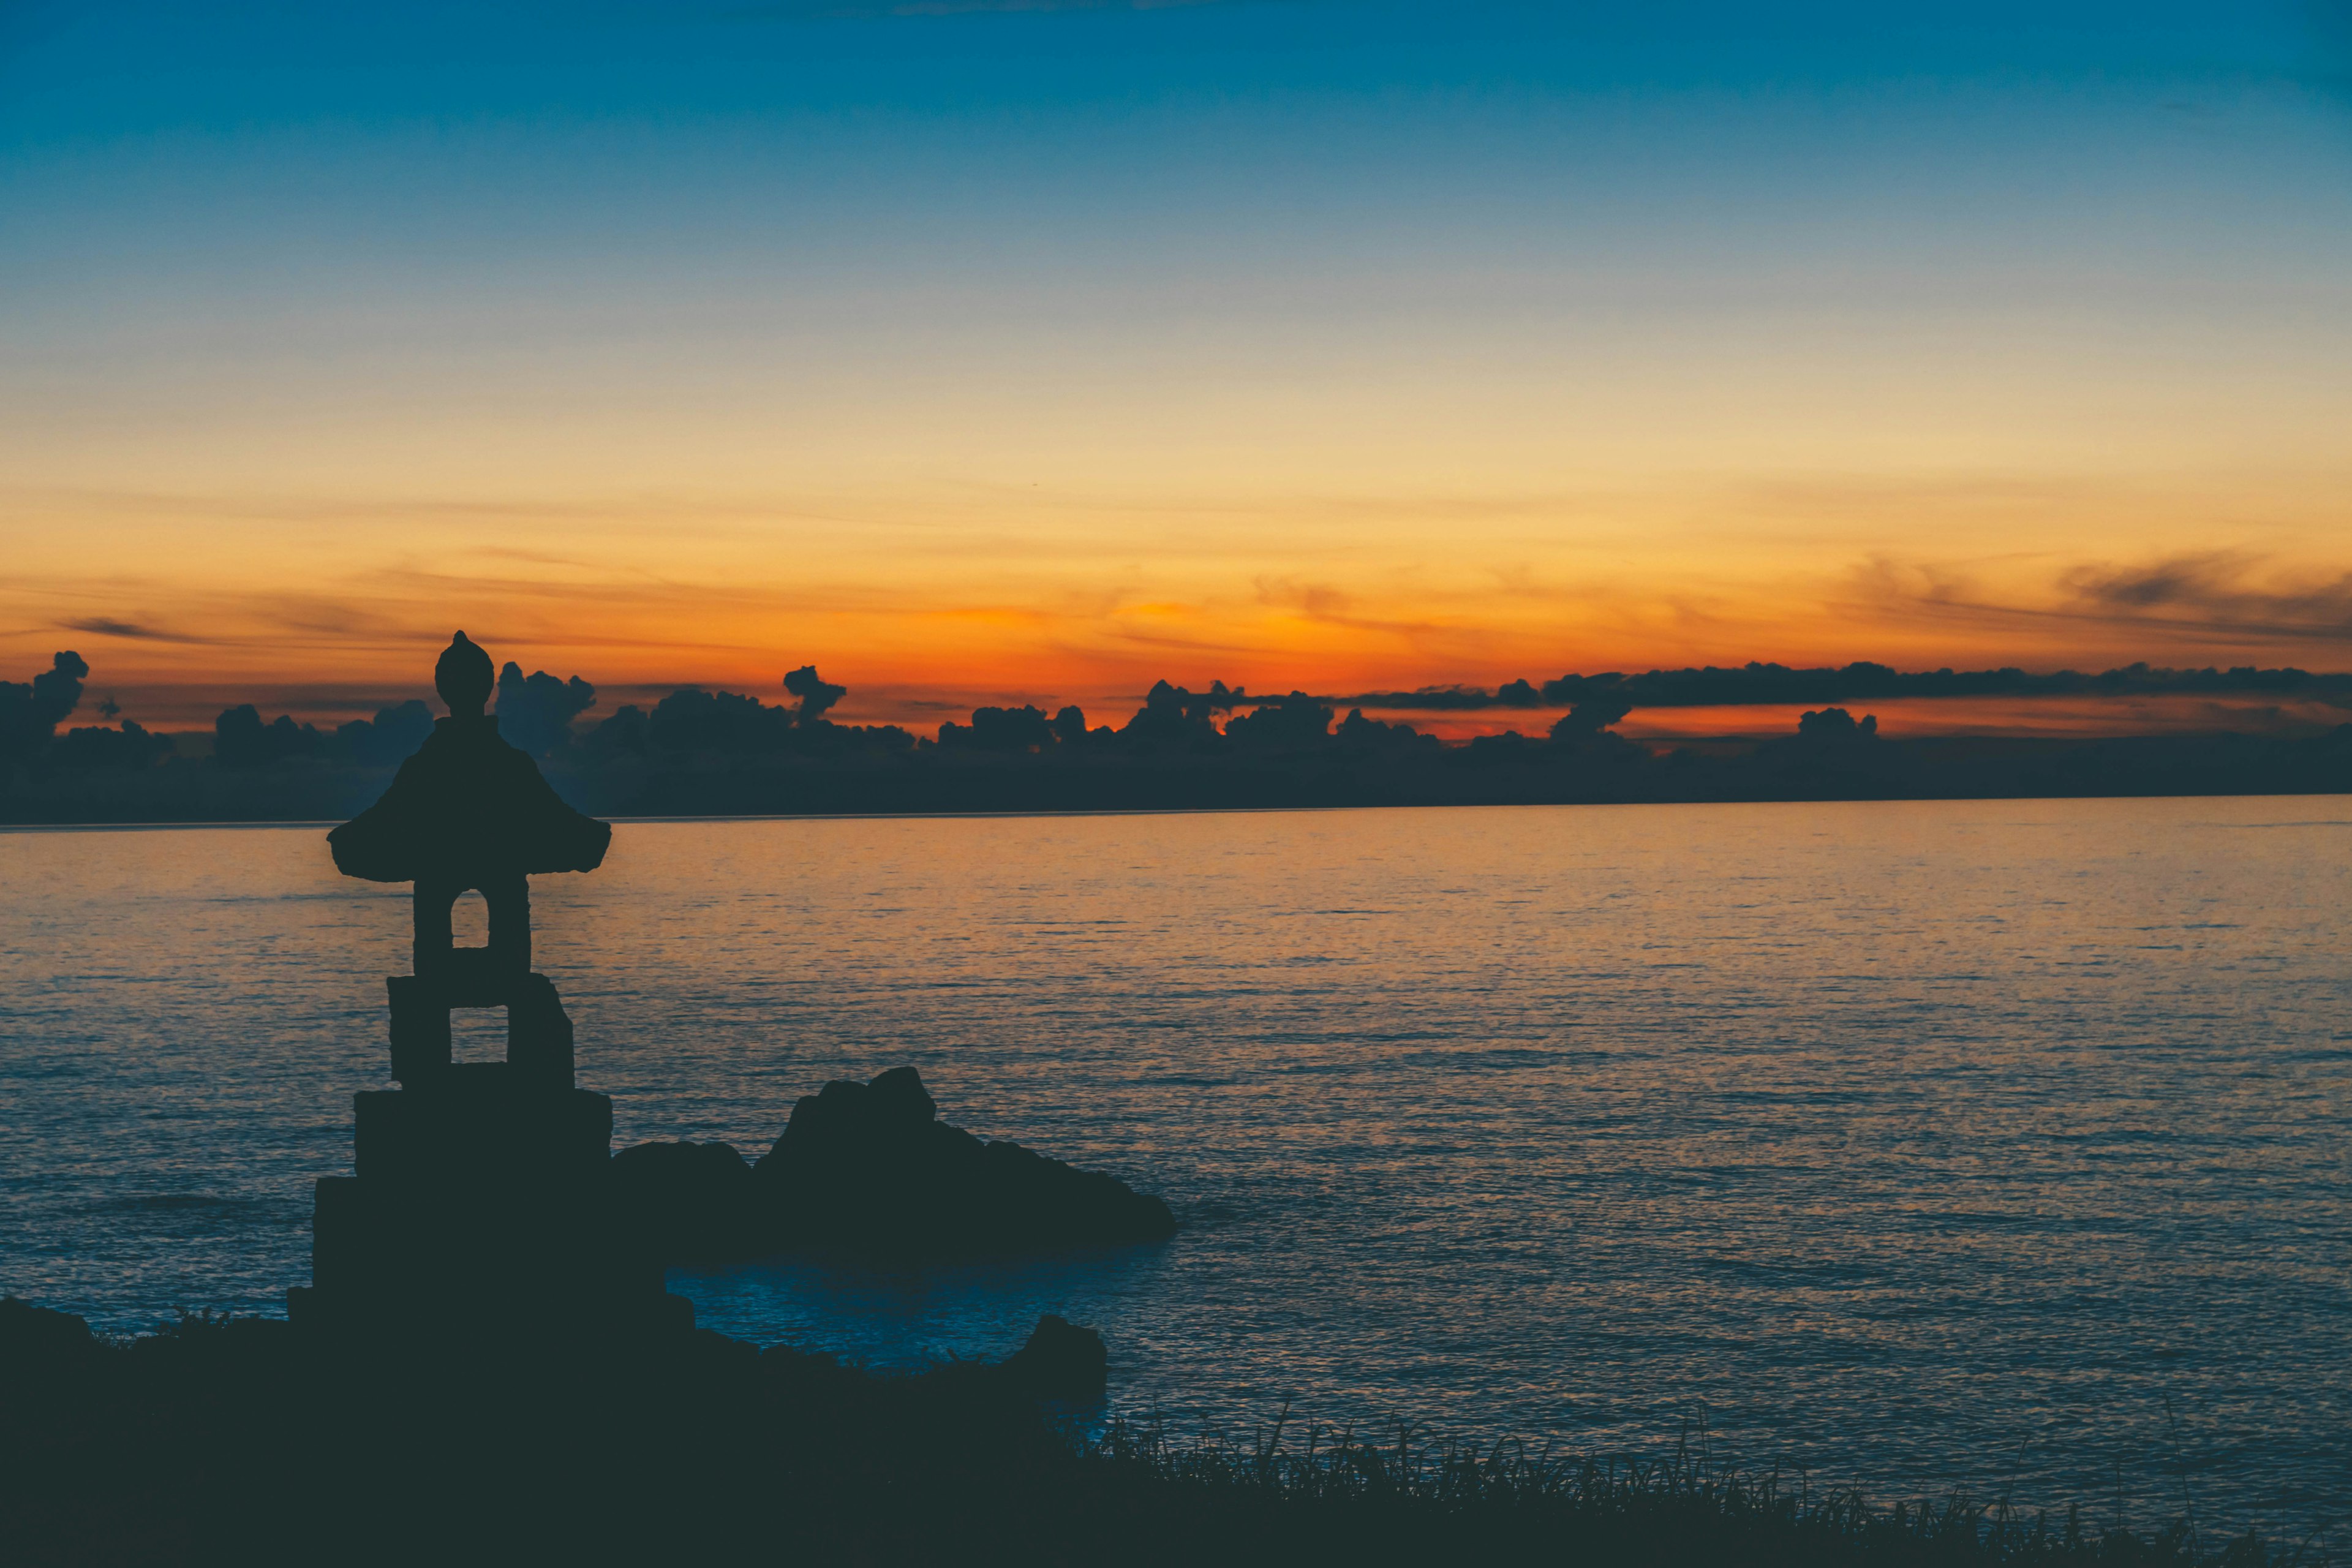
(1001, 729)
(132, 746)
(703, 753)
(1509, 749)
(1835, 726)
(1296, 723)
(1779, 685)
(626, 735)
(1589, 717)
(242, 739)
(1174, 715)
(536, 711)
(816, 693)
(390, 737)
(1427, 698)
(728, 724)
(697, 751)
(30, 712)
(693, 719)
(1370, 736)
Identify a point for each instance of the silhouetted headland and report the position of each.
(869, 1169)
(700, 753)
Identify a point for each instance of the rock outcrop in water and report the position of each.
(869, 1169)
(1063, 1360)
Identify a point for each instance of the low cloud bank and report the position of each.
(701, 753)
(1779, 685)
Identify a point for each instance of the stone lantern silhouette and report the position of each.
(478, 1181)
(470, 813)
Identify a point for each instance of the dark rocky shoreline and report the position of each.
(259, 1440)
(252, 1441)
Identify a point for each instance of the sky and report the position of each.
(1035, 351)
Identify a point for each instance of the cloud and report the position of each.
(2167, 582)
(2214, 597)
(1326, 605)
(104, 626)
(1776, 685)
(2211, 591)
(1316, 601)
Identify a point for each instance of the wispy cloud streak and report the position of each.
(2215, 597)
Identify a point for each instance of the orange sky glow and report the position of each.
(1044, 401)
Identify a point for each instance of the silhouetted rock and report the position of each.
(1061, 1361)
(869, 1168)
(686, 1202)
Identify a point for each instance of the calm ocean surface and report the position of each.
(1922, 1144)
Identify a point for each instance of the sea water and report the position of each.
(1997, 1146)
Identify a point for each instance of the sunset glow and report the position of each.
(1033, 355)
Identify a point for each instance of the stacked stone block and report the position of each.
(481, 1190)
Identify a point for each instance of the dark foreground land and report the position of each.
(249, 1441)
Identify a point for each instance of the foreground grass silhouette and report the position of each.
(244, 1441)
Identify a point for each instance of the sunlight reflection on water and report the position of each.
(1931, 1143)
